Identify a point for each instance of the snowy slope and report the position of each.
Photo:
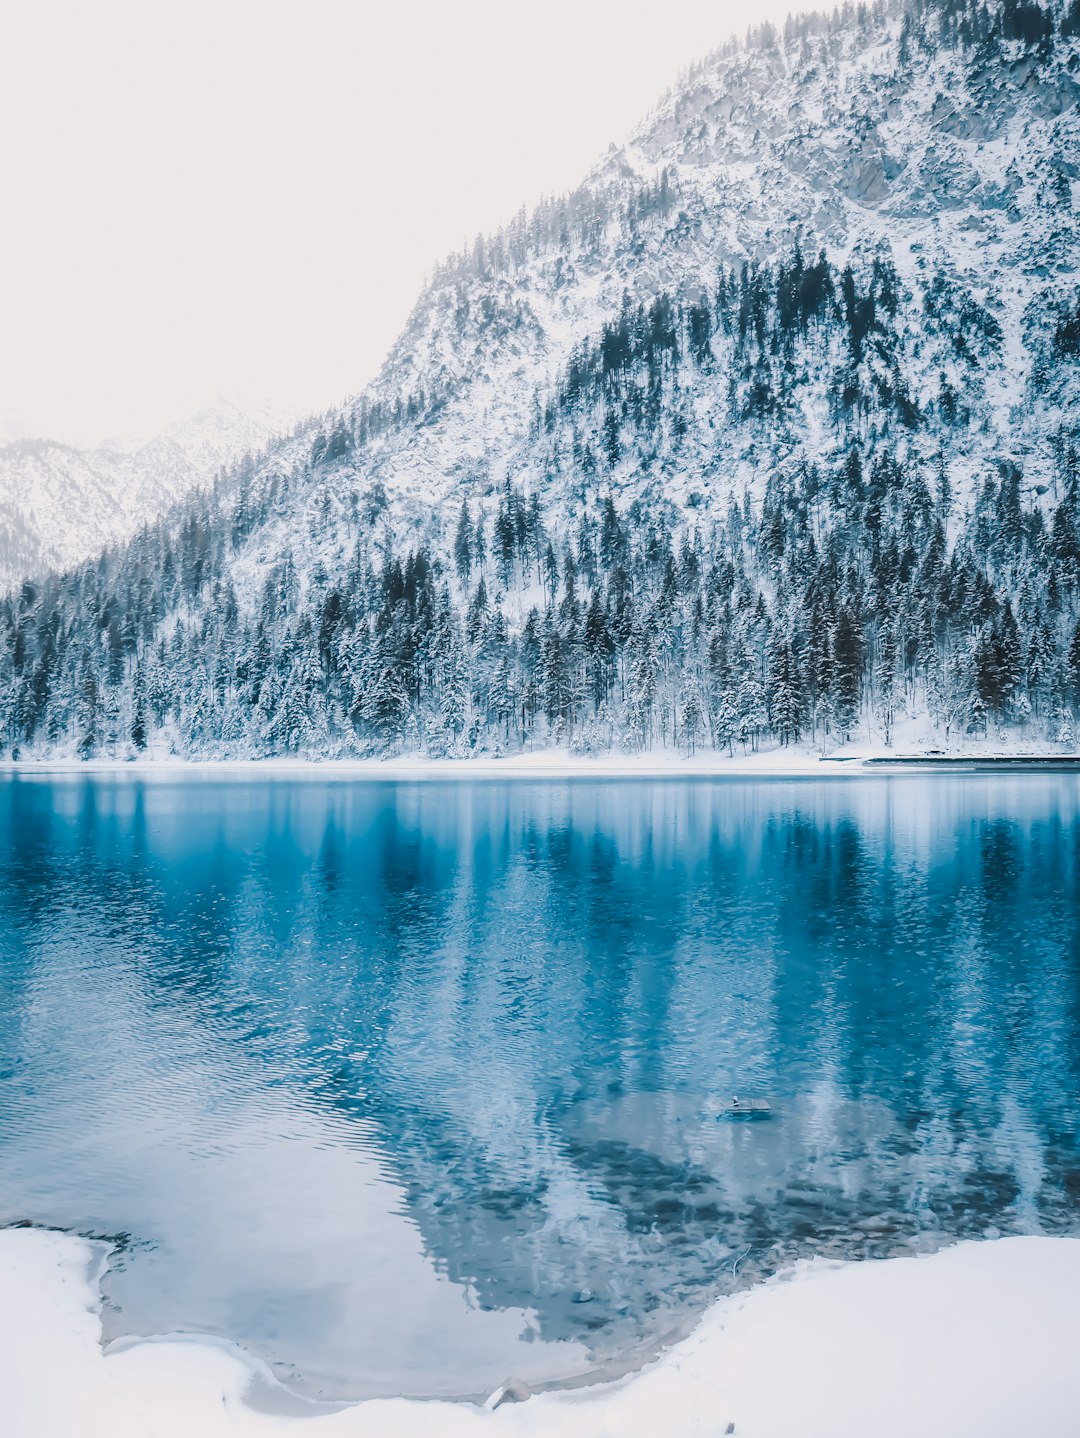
(868, 136)
(950, 166)
(60, 504)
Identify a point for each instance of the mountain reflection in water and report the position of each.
(409, 1086)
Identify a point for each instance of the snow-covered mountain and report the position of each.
(60, 503)
(883, 136)
(768, 430)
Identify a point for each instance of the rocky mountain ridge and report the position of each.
(61, 503)
(958, 164)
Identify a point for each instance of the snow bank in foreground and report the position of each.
(980, 1339)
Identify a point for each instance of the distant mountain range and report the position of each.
(768, 432)
(60, 503)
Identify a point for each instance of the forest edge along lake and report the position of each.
(791, 761)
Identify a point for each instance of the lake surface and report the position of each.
(410, 1086)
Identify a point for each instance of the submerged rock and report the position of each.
(512, 1391)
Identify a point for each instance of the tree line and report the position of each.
(832, 610)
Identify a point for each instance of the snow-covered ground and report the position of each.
(786, 761)
(980, 1339)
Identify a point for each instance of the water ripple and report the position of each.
(409, 1086)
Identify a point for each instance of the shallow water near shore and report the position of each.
(408, 1086)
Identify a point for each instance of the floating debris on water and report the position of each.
(746, 1108)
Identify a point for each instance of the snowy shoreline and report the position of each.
(788, 763)
(979, 1338)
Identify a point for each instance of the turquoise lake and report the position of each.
(412, 1086)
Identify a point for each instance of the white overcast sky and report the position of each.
(243, 197)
